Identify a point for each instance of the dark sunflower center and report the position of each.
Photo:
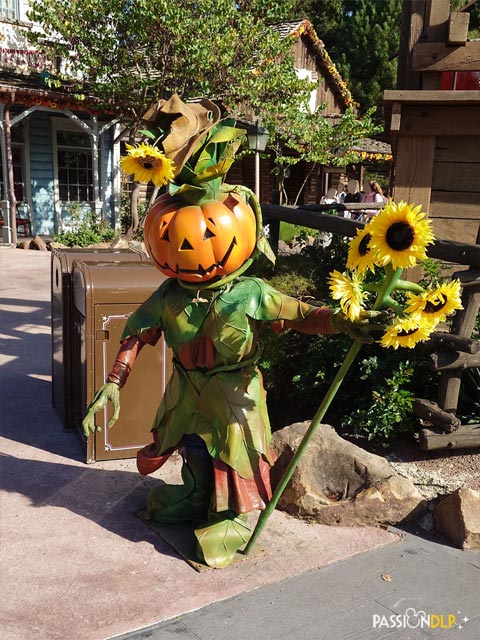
(150, 162)
(400, 236)
(402, 334)
(430, 307)
(363, 247)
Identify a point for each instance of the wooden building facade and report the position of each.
(434, 118)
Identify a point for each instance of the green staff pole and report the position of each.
(318, 417)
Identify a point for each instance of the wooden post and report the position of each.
(411, 27)
(438, 15)
(10, 186)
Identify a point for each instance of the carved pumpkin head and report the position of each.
(197, 243)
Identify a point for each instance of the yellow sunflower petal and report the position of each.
(400, 235)
(148, 164)
(349, 292)
(406, 332)
(360, 255)
(435, 304)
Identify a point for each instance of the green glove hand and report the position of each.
(360, 329)
(107, 392)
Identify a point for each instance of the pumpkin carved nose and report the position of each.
(186, 246)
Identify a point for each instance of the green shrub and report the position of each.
(298, 369)
(85, 229)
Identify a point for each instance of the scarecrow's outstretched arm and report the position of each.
(110, 391)
(324, 320)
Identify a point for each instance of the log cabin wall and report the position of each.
(326, 92)
(437, 136)
(435, 124)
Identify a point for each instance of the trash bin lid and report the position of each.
(65, 257)
(114, 282)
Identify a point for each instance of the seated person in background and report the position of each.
(341, 191)
(372, 193)
(330, 197)
(353, 195)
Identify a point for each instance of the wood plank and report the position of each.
(466, 436)
(430, 411)
(446, 206)
(454, 360)
(411, 27)
(456, 252)
(433, 56)
(436, 29)
(449, 229)
(458, 149)
(455, 204)
(458, 28)
(442, 341)
(431, 97)
(438, 14)
(456, 176)
(454, 120)
(414, 169)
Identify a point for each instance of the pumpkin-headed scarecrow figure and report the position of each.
(203, 234)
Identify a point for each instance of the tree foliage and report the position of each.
(362, 37)
(129, 52)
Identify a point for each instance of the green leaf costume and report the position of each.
(216, 391)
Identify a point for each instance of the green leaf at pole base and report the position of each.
(221, 540)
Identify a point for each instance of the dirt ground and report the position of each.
(437, 473)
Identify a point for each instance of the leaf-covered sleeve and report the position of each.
(269, 305)
(146, 321)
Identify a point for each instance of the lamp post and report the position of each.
(257, 141)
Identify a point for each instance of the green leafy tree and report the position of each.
(316, 140)
(367, 51)
(128, 53)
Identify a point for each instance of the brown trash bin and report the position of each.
(61, 314)
(104, 295)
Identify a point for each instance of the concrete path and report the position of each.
(77, 563)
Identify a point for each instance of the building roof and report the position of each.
(31, 90)
(304, 29)
(373, 147)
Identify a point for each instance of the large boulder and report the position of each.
(338, 483)
(457, 517)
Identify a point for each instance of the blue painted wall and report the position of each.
(39, 156)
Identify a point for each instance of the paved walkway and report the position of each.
(76, 562)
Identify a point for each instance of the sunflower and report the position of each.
(349, 292)
(360, 256)
(406, 332)
(400, 235)
(434, 305)
(148, 163)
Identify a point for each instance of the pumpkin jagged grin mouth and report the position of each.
(200, 269)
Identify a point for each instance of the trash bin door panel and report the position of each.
(141, 395)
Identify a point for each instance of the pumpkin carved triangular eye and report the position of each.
(208, 234)
(165, 235)
(186, 246)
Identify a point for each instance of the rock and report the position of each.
(39, 244)
(338, 483)
(24, 244)
(457, 517)
(120, 242)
